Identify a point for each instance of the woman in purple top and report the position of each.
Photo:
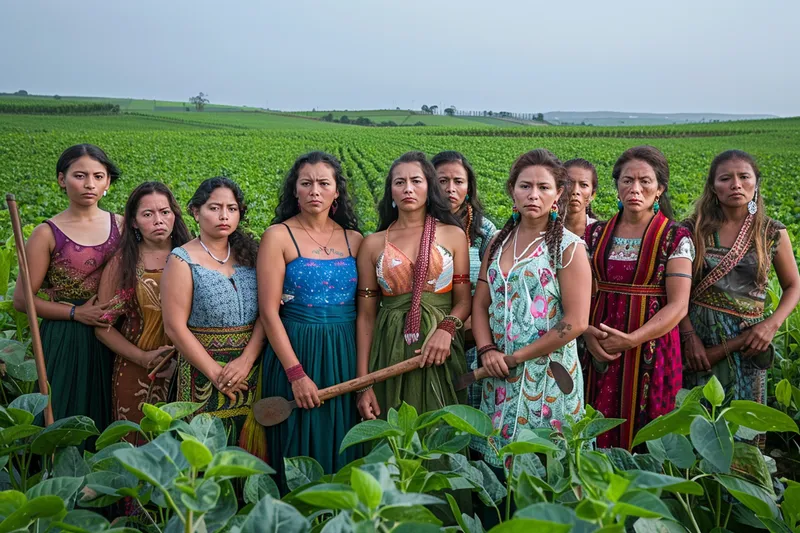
(66, 256)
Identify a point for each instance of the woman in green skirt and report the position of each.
(307, 289)
(417, 268)
(66, 256)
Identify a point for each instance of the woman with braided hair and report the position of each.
(458, 184)
(417, 266)
(641, 264)
(525, 310)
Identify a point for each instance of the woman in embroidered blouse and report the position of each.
(312, 336)
(641, 263)
(66, 256)
(583, 181)
(210, 307)
(458, 184)
(419, 259)
(153, 227)
(726, 334)
(524, 310)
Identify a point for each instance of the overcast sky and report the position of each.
(725, 56)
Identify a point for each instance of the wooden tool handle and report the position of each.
(167, 358)
(480, 373)
(370, 379)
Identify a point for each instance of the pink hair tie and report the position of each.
(295, 373)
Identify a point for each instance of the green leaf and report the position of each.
(158, 462)
(41, 507)
(258, 486)
(69, 463)
(654, 525)
(413, 513)
(105, 458)
(641, 479)
(32, 403)
(20, 416)
(84, 520)
(367, 431)
(550, 513)
(678, 421)
(642, 504)
(679, 450)
(196, 453)
(205, 498)
(367, 487)
(468, 419)
(528, 442)
(330, 496)
(783, 393)
(591, 510)
(155, 419)
(226, 507)
(530, 490)
(178, 410)
(70, 431)
(752, 496)
(235, 462)
(714, 392)
(404, 418)
(598, 426)
(749, 462)
(301, 471)
(527, 525)
(341, 523)
(274, 516)
(10, 501)
(210, 431)
(759, 417)
(713, 442)
(16, 432)
(446, 439)
(115, 431)
(775, 526)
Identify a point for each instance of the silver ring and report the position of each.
(229, 384)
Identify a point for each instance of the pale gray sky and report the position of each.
(725, 56)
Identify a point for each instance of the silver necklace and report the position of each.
(214, 257)
(514, 251)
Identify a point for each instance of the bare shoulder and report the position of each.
(120, 220)
(42, 235)
(355, 239)
(275, 232)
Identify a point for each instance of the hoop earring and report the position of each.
(752, 205)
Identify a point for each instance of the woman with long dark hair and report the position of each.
(153, 227)
(307, 290)
(66, 256)
(210, 308)
(726, 334)
(583, 180)
(458, 184)
(641, 264)
(417, 267)
(524, 309)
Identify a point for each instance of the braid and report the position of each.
(501, 236)
(552, 238)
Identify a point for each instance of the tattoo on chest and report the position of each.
(562, 328)
(331, 252)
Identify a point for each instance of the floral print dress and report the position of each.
(526, 303)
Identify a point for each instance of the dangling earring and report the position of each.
(656, 206)
(515, 214)
(394, 205)
(137, 234)
(620, 205)
(553, 212)
(334, 207)
(752, 205)
(467, 198)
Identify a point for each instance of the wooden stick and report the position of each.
(30, 306)
(370, 379)
(167, 358)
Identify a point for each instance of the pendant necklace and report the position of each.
(214, 257)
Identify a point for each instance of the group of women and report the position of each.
(561, 309)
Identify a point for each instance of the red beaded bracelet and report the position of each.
(449, 326)
(295, 373)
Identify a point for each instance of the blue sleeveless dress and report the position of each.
(319, 316)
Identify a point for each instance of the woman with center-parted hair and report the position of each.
(307, 290)
(416, 266)
(66, 256)
(641, 265)
(210, 307)
(130, 282)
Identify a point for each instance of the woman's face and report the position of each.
(316, 188)
(535, 192)
(409, 187)
(453, 182)
(154, 218)
(735, 183)
(582, 189)
(85, 181)
(219, 216)
(638, 187)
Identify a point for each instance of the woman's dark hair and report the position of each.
(555, 228)
(585, 165)
(129, 248)
(653, 157)
(287, 207)
(73, 153)
(708, 216)
(474, 230)
(243, 246)
(437, 206)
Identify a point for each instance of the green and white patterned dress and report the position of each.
(526, 303)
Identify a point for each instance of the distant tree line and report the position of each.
(364, 121)
(62, 108)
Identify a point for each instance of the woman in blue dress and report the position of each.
(307, 285)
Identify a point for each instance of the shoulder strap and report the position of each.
(347, 241)
(293, 240)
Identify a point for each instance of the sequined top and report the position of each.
(320, 282)
(75, 270)
(219, 301)
(395, 271)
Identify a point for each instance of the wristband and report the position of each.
(486, 348)
(365, 389)
(295, 373)
(447, 325)
(72, 314)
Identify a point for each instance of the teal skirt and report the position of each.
(79, 369)
(324, 340)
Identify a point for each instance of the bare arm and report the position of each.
(575, 299)
(38, 249)
(367, 307)
(678, 292)
(480, 308)
(462, 292)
